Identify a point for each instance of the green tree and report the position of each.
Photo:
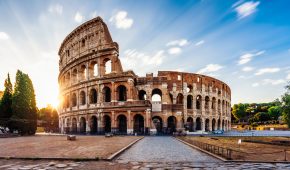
(286, 106)
(49, 118)
(275, 112)
(24, 109)
(239, 111)
(5, 103)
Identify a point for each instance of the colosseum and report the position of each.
(99, 97)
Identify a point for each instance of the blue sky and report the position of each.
(244, 43)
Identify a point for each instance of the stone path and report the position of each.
(163, 149)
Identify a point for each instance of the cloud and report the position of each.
(55, 9)
(248, 57)
(181, 42)
(246, 9)
(4, 36)
(199, 43)
(247, 69)
(174, 50)
(267, 70)
(78, 17)
(273, 82)
(288, 76)
(121, 21)
(255, 84)
(210, 68)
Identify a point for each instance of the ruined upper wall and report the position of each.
(90, 37)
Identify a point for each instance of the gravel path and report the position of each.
(163, 149)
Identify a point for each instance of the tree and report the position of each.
(286, 106)
(5, 103)
(24, 105)
(275, 112)
(1, 94)
(49, 118)
(239, 111)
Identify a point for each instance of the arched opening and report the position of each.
(213, 125)
(206, 102)
(198, 124)
(206, 125)
(171, 124)
(74, 75)
(83, 73)
(122, 93)
(83, 125)
(219, 124)
(108, 66)
(94, 69)
(189, 101)
(67, 128)
(223, 125)
(67, 79)
(107, 94)
(219, 105)
(138, 124)
(189, 89)
(94, 125)
(122, 124)
(82, 98)
(107, 124)
(74, 125)
(74, 100)
(142, 95)
(189, 124)
(179, 99)
(198, 102)
(67, 101)
(93, 96)
(156, 95)
(157, 121)
(213, 105)
(171, 98)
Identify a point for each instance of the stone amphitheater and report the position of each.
(99, 97)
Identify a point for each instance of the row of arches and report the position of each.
(84, 72)
(93, 96)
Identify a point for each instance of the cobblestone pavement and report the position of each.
(101, 165)
(164, 149)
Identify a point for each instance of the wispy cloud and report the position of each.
(199, 43)
(288, 76)
(210, 68)
(247, 69)
(4, 36)
(133, 57)
(273, 82)
(55, 9)
(255, 84)
(245, 58)
(79, 17)
(246, 9)
(121, 21)
(267, 70)
(181, 42)
(174, 50)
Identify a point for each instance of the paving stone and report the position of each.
(61, 165)
(51, 163)
(135, 167)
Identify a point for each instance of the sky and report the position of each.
(244, 43)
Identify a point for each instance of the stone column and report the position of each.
(100, 123)
(130, 123)
(210, 125)
(114, 92)
(202, 124)
(88, 127)
(114, 122)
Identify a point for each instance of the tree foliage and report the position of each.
(23, 105)
(49, 118)
(6, 102)
(286, 106)
(239, 110)
(275, 112)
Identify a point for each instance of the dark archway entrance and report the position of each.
(74, 125)
(122, 93)
(83, 125)
(122, 124)
(107, 124)
(198, 124)
(213, 125)
(171, 124)
(206, 125)
(158, 124)
(189, 124)
(107, 94)
(138, 124)
(219, 124)
(94, 125)
(223, 125)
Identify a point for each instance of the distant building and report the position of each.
(99, 97)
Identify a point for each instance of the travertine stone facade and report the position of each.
(98, 96)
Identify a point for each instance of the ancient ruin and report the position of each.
(98, 96)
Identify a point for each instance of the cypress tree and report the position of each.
(6, 102)
(23, 105)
